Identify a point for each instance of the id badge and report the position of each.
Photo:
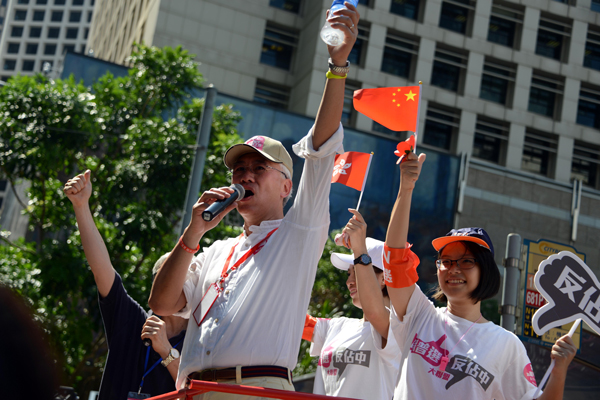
(209, 298)
(136, 395)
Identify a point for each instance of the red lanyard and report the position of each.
(254, 250)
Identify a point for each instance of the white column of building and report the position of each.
(514, 151)
(425, 61)
(466, 132)
(531, 21)
(564, 158)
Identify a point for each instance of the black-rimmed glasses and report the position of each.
(444, 264)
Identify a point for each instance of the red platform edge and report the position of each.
(199, 387)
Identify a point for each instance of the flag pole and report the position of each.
(364, 181)
(551, 367)
(418, 116)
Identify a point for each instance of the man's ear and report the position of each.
(286, 188)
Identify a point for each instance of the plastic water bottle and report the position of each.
(331, 36)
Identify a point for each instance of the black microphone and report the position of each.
(218, 206)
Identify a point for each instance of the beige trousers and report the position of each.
(265, 382)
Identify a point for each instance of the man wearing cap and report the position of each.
(247, 296)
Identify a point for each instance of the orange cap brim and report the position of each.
(441, 242)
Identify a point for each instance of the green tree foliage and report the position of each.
(140, 162)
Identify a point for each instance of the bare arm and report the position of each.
(79, 190)
(332, 102)
(166, 296)
(367, 282)
(562, 353)
(397, 232)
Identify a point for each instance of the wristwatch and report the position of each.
(340, 70)
(363, 259)
(173, 354)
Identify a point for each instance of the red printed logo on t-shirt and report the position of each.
(529, 375)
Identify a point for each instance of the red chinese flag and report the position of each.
(396, 108)
(351, 169)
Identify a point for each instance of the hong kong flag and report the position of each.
(396, 108)
(351, 169)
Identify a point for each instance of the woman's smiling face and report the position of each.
(456, 283)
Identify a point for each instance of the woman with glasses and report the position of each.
(453, 352)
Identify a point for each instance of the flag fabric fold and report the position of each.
(396, 108)
(351, 169)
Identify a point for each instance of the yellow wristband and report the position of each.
(331, 75)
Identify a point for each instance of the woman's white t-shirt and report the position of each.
(488, 363)
(352, 362)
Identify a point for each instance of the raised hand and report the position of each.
(79, 188)
(410, 169)
(356, 231)
(198, 226)
(345, 20)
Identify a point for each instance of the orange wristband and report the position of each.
(400, 267)
(309, 328)
(188, 249)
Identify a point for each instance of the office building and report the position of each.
(37, 33)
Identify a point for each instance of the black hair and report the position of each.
(384, 291)
(489, 279)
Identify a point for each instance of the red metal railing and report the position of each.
(199, 387)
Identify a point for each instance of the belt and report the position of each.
(228, 374)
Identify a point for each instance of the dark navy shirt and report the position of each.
(123, 321)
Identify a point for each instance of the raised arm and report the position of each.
(367, 282)
(166, 296)
(79, 190)
(397, 232)
(332, 102)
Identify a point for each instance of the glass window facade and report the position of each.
(539, 153)
(28, 65)
(588, 110)
(287, 5)
(20, 15)
(545, 95)
(39, 15)
(491, 138)
(448, 69)
(75, 16)
(72, 33)
(586, 160)
(592, 51)
(9, 65)
(441, 126)
(53, 33)
(50, 49)
(16, 31)
(278, 47)
(405, 8)
(348, 112)
(505, 25)
(35, 32)
(271, 94)
(497, 82)
(399, 55)
(31, 48)
(13, 48)
(57, 16)
(552, 38)
(455, 15)
(595, 5)
(358, 52)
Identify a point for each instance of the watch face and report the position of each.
(365, 259)
(174, 353)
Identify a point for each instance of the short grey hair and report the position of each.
(289, 175)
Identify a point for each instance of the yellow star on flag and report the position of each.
(410, 96)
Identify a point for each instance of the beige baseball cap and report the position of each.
(270, 149)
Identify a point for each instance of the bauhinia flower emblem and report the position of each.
(341, 167)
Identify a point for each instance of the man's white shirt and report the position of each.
(259, 317)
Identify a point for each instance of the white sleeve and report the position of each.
(190, 284)
(319, 335)
(517, 379)
(391, 353)
(418, 305)
(311, 205)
